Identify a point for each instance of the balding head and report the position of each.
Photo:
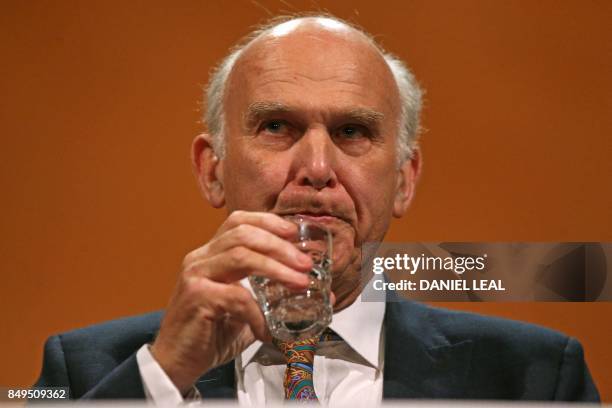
(331, 34)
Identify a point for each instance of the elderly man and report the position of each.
(309, 116)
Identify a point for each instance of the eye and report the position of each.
(352, 132)
(274, 126)
(276, 133)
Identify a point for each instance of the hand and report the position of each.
(211, 317)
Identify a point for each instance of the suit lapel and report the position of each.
(218, 383)
(421, 362)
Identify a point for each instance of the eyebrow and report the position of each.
(260, 110)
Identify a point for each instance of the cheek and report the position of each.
(378, 187)
(252, 182)
(373, 190)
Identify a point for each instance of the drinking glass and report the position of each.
(292, 315)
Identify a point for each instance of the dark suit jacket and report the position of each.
(429, 353)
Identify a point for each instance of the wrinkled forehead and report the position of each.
(322, 51)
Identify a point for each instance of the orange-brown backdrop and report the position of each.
(99, 103)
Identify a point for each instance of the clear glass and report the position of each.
(292, 315)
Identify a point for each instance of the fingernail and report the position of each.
(303, 258)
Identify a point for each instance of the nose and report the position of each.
(315, 160)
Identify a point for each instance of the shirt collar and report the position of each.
(360, 325)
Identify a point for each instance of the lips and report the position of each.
(331, 206)
(334, 222)
(318, 218)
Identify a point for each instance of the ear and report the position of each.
(208, 169)
(406, 183)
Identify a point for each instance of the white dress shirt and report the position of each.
(348, 372)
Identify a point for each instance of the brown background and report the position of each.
(99, 103)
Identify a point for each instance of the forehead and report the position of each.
(313, 68)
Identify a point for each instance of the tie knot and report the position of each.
(301, 351)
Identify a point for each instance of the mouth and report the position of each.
(319, 218)
(322, 218)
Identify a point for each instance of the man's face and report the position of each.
(311, 128)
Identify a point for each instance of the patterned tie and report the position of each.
(298, 375)
(300, 358)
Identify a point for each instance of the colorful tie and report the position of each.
(300, 358)
(298, 375)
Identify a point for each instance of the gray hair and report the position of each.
(409, 90)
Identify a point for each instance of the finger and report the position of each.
(267, 221)
(236, 302)
(240, 262)
(262, 241)
(247, 336)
